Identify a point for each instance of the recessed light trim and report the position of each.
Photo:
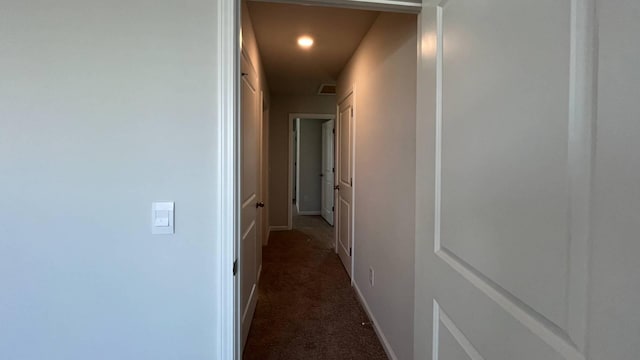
(305, 41)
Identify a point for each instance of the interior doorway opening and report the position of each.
(311, 166)
(307, 63)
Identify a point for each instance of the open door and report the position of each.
(344, 208)
(250, 244)
(503, 181)
(328, 169)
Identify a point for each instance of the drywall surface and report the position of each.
(310, 165)
(106, 107)
(279, 183)
(383, 72)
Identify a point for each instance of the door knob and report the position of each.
(259, 204)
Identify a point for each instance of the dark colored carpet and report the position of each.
(306, 307)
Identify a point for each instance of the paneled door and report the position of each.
(249, 195)
(328, 130)
(505, 140)
(344, 203)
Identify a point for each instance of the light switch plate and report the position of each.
(162, 216)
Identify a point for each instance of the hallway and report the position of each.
(306, 307)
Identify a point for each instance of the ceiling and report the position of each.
(293, 70)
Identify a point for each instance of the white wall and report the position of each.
(383, 70)
(104, 108)
(310, 165)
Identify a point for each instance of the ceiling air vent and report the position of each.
(327, 89)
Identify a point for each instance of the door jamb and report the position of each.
(292, 117)
(225, 221)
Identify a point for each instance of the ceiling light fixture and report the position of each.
(305, 42)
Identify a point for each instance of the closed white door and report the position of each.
(327, 170)
(505, 140)
(344, 204)
(249, 195)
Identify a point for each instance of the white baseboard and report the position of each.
(259, 273)
(309, 212)
(278, 228)
(376, 326)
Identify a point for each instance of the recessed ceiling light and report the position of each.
(305, 42)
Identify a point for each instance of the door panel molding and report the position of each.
(570, 342)
(441, 318)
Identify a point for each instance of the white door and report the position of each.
(327, 170)
(344, 204)
(249, 196)
(504, 139)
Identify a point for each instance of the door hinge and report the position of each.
(351, 182)
(333, 169)
(235, 267)
(334, 131)
(333, 208)
(351, 111)
(350, 251)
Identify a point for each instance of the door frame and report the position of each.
(226, 339)
(333, 165)
(292, 118)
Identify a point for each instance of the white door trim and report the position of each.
(225, 221)
(292, 118)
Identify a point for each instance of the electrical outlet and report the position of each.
(371, 277)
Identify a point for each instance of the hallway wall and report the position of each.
(105, 108)
(279, 183)
(383, 72)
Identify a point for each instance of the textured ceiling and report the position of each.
(292, 70)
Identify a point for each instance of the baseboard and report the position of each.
(278, 228)
(376, 326)
(309, 212)
(259, 273)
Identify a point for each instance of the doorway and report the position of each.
(384, 65)
(306, 164)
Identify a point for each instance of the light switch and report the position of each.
(162, 218)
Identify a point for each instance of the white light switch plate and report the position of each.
(162, 216)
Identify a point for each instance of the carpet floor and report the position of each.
(306, 307)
